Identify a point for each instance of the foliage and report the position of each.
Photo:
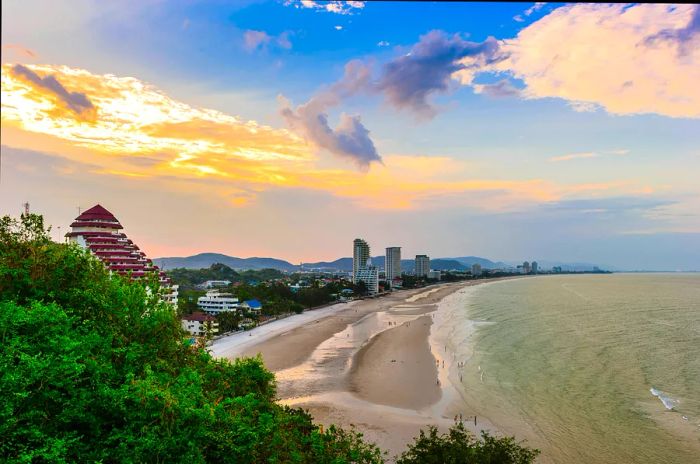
(228, 321)
(93, 369)
(459, 446)
(190, 278)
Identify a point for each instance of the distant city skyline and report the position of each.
(282, 129)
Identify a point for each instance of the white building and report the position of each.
(216, 283)
(360, 257)
(437, 275)
(370, 276)
(200, 324)
(476, 269)
(422, 265)
(214, 302)
(392, 264)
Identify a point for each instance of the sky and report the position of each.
(516, 131)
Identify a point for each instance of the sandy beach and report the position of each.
(372, 364)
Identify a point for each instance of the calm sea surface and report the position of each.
(589, 368)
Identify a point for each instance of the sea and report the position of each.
(593, 368)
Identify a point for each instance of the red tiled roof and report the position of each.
(201, 317)
(97, 212)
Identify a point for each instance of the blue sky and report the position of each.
(511, 131)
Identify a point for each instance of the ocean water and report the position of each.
(588, 368)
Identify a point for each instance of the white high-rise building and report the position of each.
(422, 265)
(370, 276)
(392, 263)
(535, 267)
(360, 257)
(476, 269)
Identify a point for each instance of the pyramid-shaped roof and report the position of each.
(96, 212)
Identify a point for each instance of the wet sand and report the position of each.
(369, 364)
(396, 368)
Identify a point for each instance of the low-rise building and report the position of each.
(436, 275)
(214, 302)
(200, 324)
(252, 305)
(215, 283)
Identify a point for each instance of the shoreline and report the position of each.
(372, 364)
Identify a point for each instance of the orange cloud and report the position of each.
(138, 132)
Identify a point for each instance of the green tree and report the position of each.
(93, 368)
(459, 446)
(228, 321)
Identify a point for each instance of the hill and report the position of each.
(205, 260)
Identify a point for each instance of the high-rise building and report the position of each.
(476, 269)
(535, 266)
(392, 263)
(360, 257)
(526, 268)
(99, 231)
(370, 276)
(422, 265)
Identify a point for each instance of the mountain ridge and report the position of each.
(204, 260)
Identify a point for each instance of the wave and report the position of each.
(668, 402)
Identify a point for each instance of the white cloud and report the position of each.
(536, 7)
(254, 40)
(338, 7)
(383, 43)
(338, 28)
(627, 59)
(588, 154)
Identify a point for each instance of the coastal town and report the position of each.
(220, 300)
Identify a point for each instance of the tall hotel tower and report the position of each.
(422, 265)
(392, 263)
(362, 269)
(99, 231)
(360, 256)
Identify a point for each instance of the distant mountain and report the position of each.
(467, 261)
(343, 264)
(204, 260)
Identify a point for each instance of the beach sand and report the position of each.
(396, 368)
(371, 364)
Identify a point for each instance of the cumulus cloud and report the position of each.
(254, 40)
(143, 134)
(338, 7)
(350, 139)
(77, 102)
(502, 88)
(410, 80)
(628, 59)
(536, 7)
(683, 36)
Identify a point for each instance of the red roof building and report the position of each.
(100, 232)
